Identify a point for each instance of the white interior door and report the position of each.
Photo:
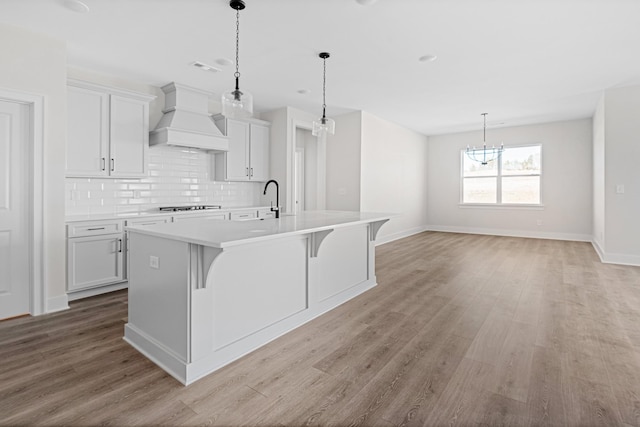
(14, 209)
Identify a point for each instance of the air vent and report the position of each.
(205, 67)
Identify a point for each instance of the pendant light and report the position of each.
(484, 155)
(237, 104)
(324, 126)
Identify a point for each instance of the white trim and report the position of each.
(400, 235)
(38, 291)
(59, 303)
(609, 258)
(86, 293)
(113, 91)
(511, 233)
(598, 249)
(501, 206)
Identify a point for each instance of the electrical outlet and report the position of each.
(154, 262)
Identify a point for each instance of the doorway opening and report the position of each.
(309, 171)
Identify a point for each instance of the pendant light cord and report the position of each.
(484, 133)
(324, 87)
(237, 73)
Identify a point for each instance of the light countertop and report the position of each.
(223, 234)
(156, 213)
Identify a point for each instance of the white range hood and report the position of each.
(186, 121)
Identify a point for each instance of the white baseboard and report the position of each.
(512, 233)
(609, 258)
(86, 293)
(399, 235)
(59, 303)
(598, 248)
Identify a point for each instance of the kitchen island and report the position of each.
(204, 293)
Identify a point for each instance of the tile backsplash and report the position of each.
(176, 176)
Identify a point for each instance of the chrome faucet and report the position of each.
(275, 208)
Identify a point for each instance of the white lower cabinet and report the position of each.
(94, 261)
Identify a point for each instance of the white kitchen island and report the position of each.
(203, 293)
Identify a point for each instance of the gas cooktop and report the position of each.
(190, 208)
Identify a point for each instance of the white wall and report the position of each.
(37, 64)
(599, 177)
(344, 163)
(622, 167)
(567, 182)
(284, 122)
(394, 176)
(374, 165)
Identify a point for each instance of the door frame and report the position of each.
(35, 219)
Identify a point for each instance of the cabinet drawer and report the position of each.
(93, 228)
(148, 221)
(243, 215)
(216, 216)
(266, 213)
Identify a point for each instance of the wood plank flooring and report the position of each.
(462, 330)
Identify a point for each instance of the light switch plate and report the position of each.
(154, 262)
(620, 189)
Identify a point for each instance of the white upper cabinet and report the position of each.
(248, 155)
(87, 132)
(259, 153)
(108, 131)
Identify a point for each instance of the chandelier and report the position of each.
(484, 154)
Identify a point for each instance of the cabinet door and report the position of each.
(259, 153)
(237, 158)
(87, 132)
(94, 261)
(129, 137)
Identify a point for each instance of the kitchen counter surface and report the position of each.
(225, 234)
(154, 213)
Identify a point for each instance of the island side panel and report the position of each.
(342, 262)
(251, 288)
(158, 297)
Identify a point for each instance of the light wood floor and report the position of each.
(462, 330)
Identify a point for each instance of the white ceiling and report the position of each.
(522, 61)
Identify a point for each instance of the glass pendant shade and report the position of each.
(323, 126)
(237, 104)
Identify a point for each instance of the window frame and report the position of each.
(499, 176)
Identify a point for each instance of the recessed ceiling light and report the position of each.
(366, 2)
(225, 62)
(304, 91)
(76, 6)
(205, 67)
(427, 58)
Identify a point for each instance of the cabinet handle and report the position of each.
(119, 245)
(104, 163)
(246, 172)
(113, 165)
(251, 172)
(94, 229)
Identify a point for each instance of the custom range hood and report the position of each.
(186, 121)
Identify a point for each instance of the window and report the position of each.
(512, 179)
